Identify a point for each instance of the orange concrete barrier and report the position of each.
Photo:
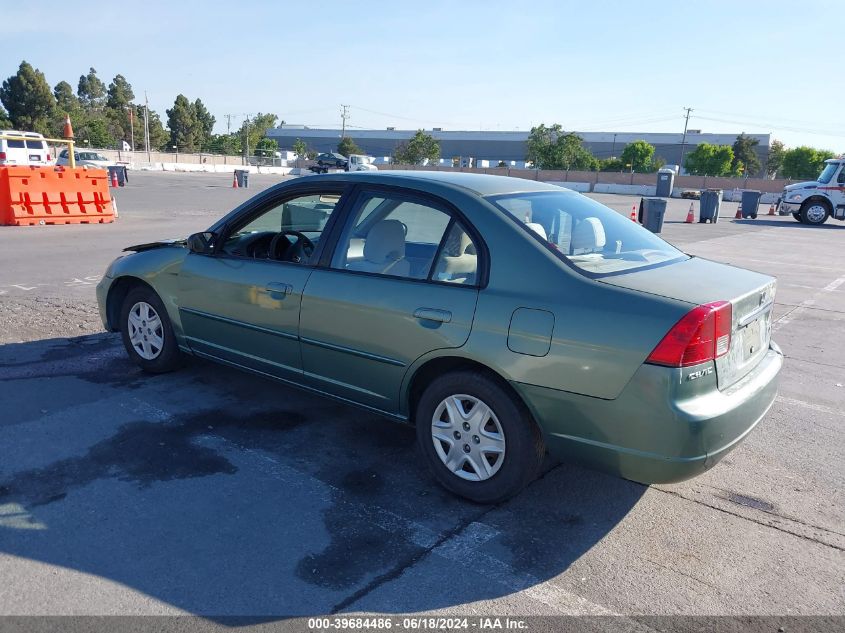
(54, 195)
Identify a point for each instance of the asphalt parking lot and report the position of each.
(216, 493)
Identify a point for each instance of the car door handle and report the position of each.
(433, 314)
(279, 288)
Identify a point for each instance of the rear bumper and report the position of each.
(102, 300)
(648, 434)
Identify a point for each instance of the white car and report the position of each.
(85, 158)
(30, 150)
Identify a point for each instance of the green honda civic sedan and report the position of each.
(504, 318)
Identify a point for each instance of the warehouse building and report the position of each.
(495, 146)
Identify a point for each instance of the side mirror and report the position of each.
(202, 243)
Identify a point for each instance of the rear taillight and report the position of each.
(703, 334)
(2, 155)
(48, 157)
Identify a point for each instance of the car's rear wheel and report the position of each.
(797, 216)
(147, 333)
(814, 212)
(478, 440)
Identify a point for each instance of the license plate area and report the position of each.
(752, 339)
(35, 157)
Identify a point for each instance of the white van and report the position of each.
(30, 150)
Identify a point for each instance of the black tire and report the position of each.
(797, 216)
(169, 357)
(524, 448)
(808, 214)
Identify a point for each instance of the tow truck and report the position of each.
(814, 202)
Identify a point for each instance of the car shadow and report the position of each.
(760, 221)
(221, 494)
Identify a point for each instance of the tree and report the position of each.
(552, 148)
(90, 90)
(95, 130)
(709, 160)
(640, 155)
(28, 99)
(120, 93)
(804, 163)
(300, 149)
(611, 164)
(183, 125)
(775, 160)
(205, 121)
(744, 154)
(347, 146)
(256, 128)
(421, 149)
(5, 121)
(158, 135)
(66, 101)
(267, 147)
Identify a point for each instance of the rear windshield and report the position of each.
(36, 145)
(88, 156)
(586, 234)
(15, 144)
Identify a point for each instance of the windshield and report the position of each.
(827, 173)
(586, 234)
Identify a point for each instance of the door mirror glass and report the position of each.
(202, 243)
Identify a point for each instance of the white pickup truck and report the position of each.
(814, 202)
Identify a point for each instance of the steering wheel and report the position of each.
(296, 251)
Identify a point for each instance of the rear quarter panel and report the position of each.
(601, 334)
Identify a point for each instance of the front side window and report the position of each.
(287, 231)
(403, 238)
(587, 234)
(841, 178)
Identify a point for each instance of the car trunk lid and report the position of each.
(699, 281)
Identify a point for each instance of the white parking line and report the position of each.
(808, 303)
(820, 408)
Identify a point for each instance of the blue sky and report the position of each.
(749, 66)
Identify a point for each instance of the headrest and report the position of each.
(458, 243)
(588, 236)
(385, 242)
(538, 229)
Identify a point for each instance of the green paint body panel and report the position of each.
(531, 331)
(572, 347)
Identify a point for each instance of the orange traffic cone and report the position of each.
(234, 181)
(68, 129)
(772, 209)
(634, 213)
(114, 182)
(738, 215)
(690, 215)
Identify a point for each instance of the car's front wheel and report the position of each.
(814, 212)
(147, 333)
(479, 441)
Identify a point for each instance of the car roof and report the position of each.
(481, 184)
(34, 135)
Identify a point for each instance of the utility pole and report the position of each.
(147, 126)
(246, 141)
(344, 114)
(684, 140)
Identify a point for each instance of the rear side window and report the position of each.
(15, 144)
(592, 237)
(39, 145)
